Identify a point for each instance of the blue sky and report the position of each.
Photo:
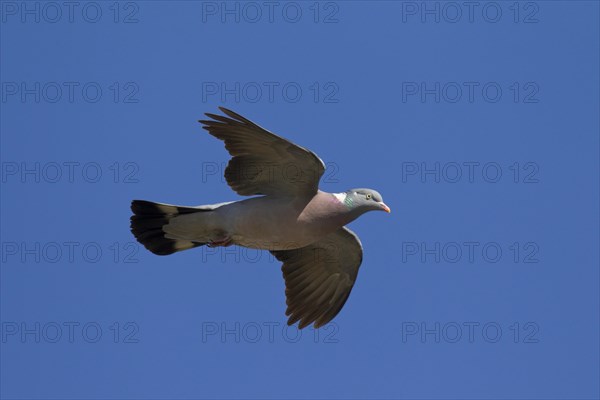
(479, 126)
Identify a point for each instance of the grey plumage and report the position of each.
(301, 225)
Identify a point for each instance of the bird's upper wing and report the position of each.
(319, 277)
(262, 162)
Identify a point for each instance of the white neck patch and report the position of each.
(341, 197)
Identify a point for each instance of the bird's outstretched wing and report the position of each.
(262, 162)
(319, 277)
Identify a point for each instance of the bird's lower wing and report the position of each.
(319, 277)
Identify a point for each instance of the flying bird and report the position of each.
(302, 226)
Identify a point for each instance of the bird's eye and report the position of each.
(368, 196)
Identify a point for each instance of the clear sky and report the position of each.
(478, 123)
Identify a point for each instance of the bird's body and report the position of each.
(266, 222)
(301, 225)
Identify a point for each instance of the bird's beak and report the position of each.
(384, 207)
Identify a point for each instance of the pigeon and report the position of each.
(302, 226)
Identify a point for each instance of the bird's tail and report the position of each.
(147, 224)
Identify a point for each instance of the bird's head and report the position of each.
(363, 200)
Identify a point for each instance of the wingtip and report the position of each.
(235, 116)
(293, 319)
(304, 324)
(319, 324)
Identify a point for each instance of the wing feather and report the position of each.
(262, 162)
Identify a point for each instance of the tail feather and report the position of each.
(148, 221)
